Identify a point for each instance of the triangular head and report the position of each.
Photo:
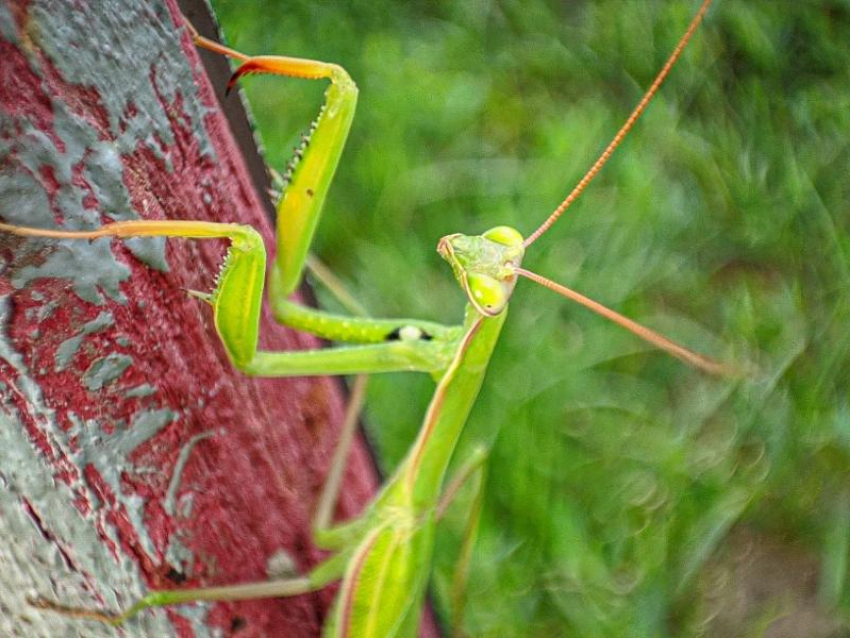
(488, 265)
(485, 265)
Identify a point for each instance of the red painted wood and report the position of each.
(70, 102)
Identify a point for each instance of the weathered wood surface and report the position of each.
(132, 455)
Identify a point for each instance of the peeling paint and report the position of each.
(282, 564)
(179, 466)
(146, 424)
(187, 502)
(105, 370)
(178, 554)
(103, 119)
(68, 348)
(32, 563)
(110, 456)
(140, 391)
(29, 199)
(7, 30)
(107, 453)
(104, 171)
(101, 62)
(76, 144)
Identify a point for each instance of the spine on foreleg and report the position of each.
(298, 153)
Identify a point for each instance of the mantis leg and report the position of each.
(162, 598)
(385, 345)
(309, 174)
(304, 188)
(327, 535)
(474, 468)
(332, 569)
(339, 537)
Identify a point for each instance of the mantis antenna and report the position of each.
(615, 142)
(650, 336)
(692, 358)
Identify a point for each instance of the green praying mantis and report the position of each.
(382, 556)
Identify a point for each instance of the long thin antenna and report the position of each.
(650, 336)
(636, 113)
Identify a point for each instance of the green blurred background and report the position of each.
(627, 494)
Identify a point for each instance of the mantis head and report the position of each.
(485, 265)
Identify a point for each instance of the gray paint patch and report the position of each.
(73, 260)
(140, 391)
(179, 466)
(7, 25)
(146, 423)
(149, 250)
(26, 200)
(104, 171)
(135, 76)
(72, 564)
(105, 370)
(23, 199)
(68, 348)
(101, 62)
(109, 454)
(178, 554)
(133, 105)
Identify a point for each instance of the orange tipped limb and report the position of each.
(312, 168)
(137, 228)
(650, 336)
(272, 64)
(290, 67)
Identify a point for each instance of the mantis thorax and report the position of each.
(485, 265)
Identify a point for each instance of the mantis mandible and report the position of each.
(382, 556)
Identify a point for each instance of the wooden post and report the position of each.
(132, 455)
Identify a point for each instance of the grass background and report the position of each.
(627, 495)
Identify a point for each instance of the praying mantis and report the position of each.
(456, 356)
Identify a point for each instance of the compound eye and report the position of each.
(504, 235)
(487, 294)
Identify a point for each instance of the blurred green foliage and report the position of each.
(625, 490)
